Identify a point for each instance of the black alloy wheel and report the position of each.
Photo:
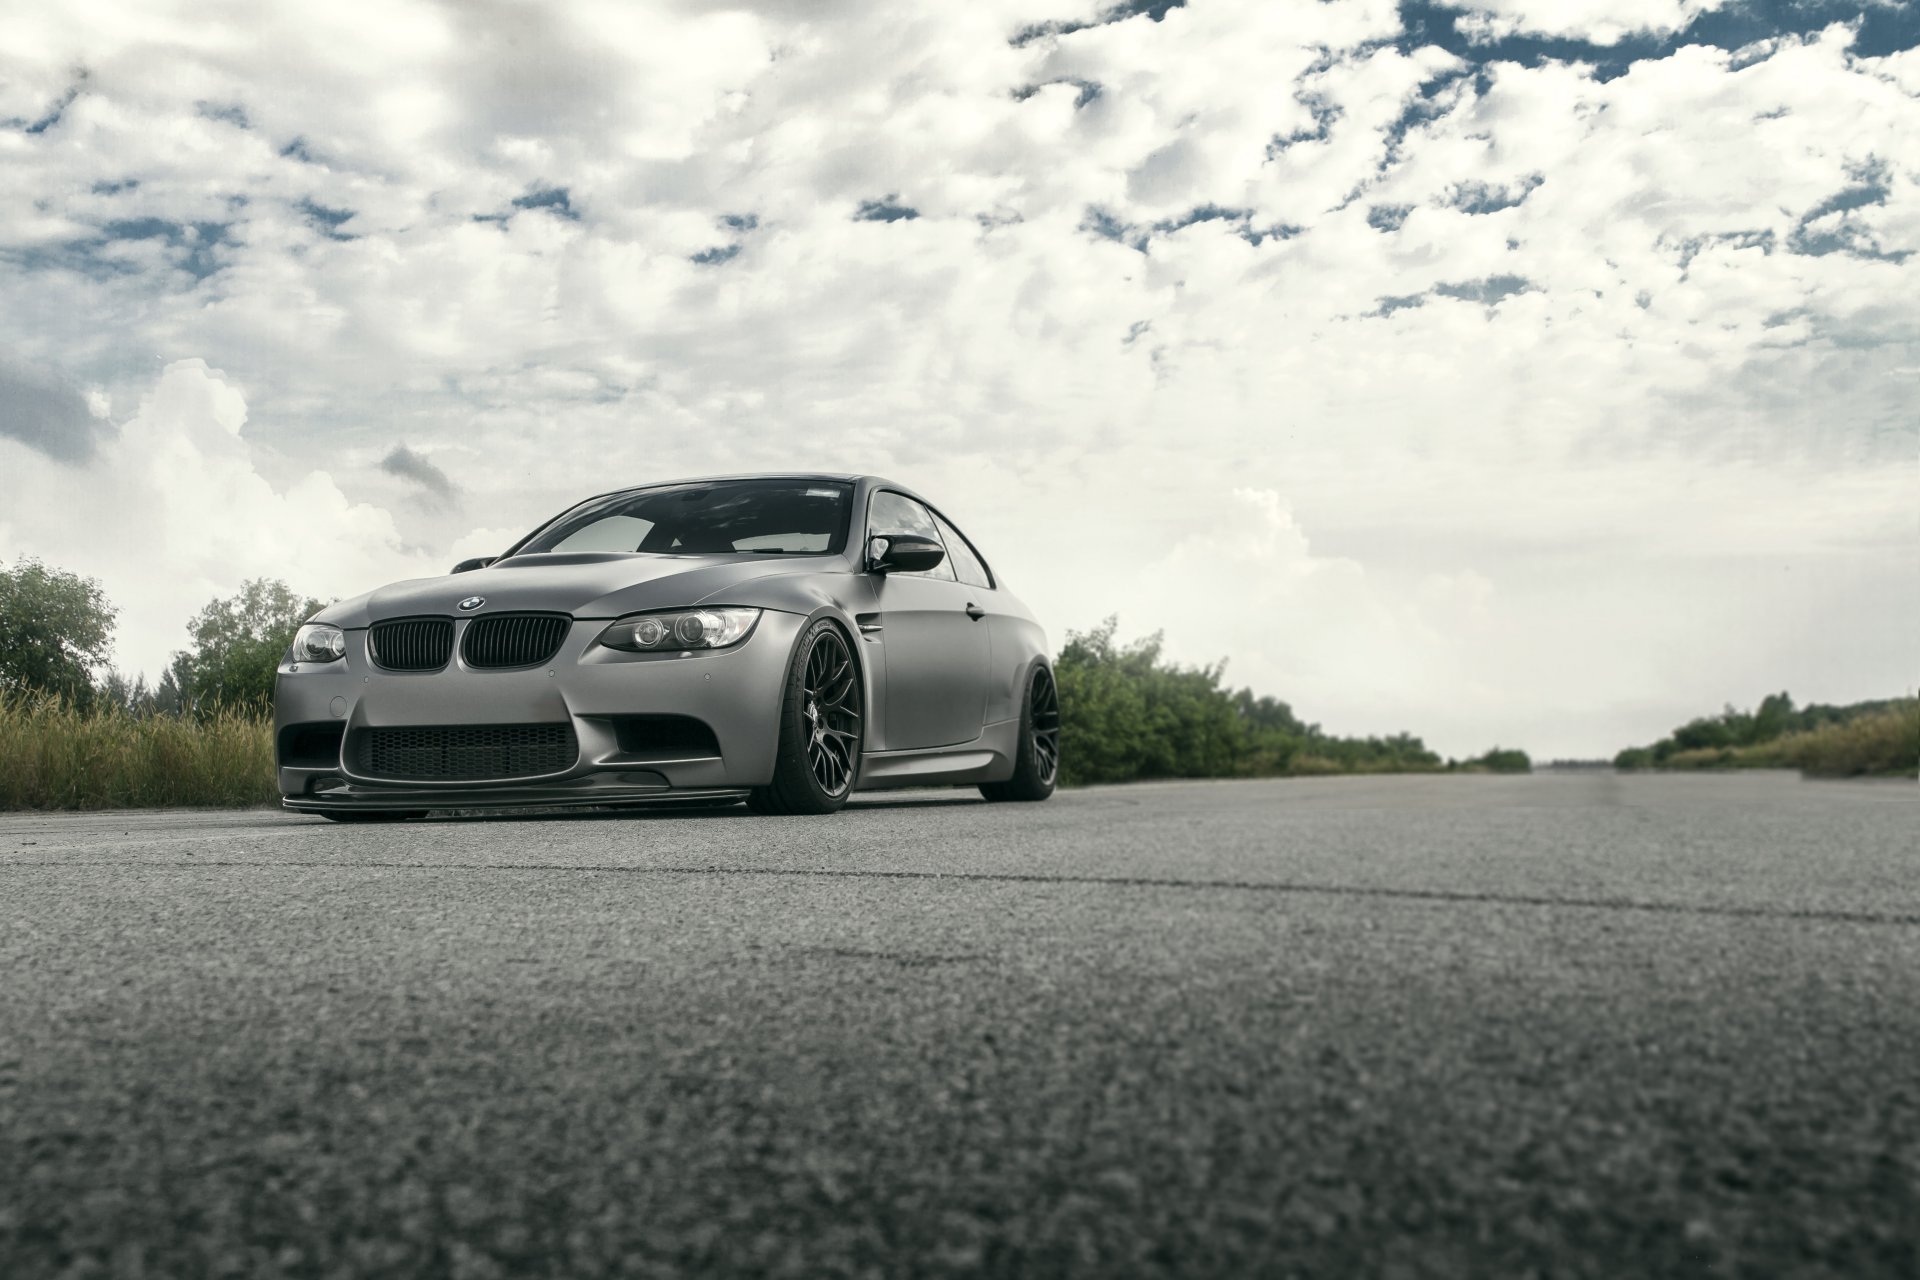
(1036, 769)
(821, 728)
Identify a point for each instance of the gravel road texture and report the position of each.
(1560, 1025)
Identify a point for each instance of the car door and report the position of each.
(1004, 631)
(935, 641)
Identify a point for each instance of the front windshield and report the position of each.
(722, 517)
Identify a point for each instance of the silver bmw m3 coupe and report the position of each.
(785, 640)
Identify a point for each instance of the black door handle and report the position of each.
(975, 612)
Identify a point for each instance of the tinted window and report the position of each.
(966, 564)
(891, 512)
(727, 517)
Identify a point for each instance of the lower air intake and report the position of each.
(465, 753)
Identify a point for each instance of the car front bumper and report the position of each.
(736, 693)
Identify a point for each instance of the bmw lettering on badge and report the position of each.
(784, 640)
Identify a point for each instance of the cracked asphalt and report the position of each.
(1562, 1025)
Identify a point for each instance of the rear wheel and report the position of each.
(1037, 766)
(821, 728)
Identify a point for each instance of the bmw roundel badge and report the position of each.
(473, 602)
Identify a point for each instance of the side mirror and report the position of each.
(906, 552)
(478, 562)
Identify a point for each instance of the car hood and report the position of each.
(586, 585)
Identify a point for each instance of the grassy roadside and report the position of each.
(54, 757)
(1880, 744)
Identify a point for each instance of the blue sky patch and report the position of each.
(1846, 235)
(51, 116)
(1157, 10)
(1882, 29)
(194, 243)
(325, 220)
(1089, 90)
(1405, 302)
(193, 247)
(226, 112)
(888, 209)
(1388, 217)
(1491, 290)
(1481, 197)
(553, 199)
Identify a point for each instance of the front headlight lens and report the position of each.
(318, 642)
(680, 629)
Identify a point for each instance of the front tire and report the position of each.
(822, 728)
(1036, 768)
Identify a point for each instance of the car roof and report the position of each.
(842, 477)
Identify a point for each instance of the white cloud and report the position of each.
(1483, 331)
(173, 512)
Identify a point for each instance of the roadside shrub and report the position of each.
(1881, 739)
(1751, 739)
(1128, 714)
(1502, 760)
(1887, 743)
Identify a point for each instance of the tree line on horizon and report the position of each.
(1128, 713)
(1876, 737)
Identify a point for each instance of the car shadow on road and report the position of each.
(681, 811)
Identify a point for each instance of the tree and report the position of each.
(55, 630)
(1504, 760)
(237, 646)
(1775, 717)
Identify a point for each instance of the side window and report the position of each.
(965, 563)
(891, 512)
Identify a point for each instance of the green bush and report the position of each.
(1867, 738)
(1884, 743)
(1127, 714)
(1502, 760)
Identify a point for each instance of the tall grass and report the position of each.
(1880, 744)
(54, 757)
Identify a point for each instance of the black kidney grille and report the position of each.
(413, 644)
(514, 639)
(465, 753)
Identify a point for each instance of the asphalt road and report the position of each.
(1559, 1025)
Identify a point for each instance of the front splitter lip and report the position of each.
(390, 798)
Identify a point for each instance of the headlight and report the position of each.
(318, 642)
(680, 629)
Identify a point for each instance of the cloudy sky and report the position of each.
(1538, 372)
